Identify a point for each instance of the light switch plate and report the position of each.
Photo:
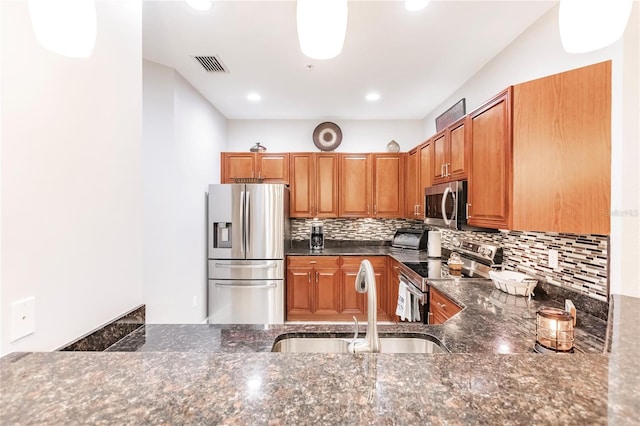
(553, 259)
(23, 318)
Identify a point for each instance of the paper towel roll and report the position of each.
(433, 244)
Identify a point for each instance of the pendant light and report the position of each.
(200, 5)
(322, 26)
(65, 27)
(587, 25)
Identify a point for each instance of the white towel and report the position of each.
(408, 303)
(402, 300)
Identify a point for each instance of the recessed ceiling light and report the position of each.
(199, 4)
(415, 5)
(254, 97)
(372, 97)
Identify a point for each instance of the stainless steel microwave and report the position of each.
(446, 205)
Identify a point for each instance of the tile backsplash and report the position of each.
(352, 229)
(583, 259)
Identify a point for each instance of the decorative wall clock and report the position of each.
(327, 136)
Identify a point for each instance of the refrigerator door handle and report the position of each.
(268, 265)
(238, 285)
(242, 214)
(247, 223)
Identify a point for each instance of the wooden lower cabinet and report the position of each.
(322, 288)
(313, 286)
(392, 289)
(441, 308)
(354, 303)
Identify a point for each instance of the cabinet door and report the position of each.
(380, 272)
(327, 292)
(440, 155)
(490, 165)
(412, 183)
(274, 168)
(388, 185)
(426, 173)
(303, 185)
(299, 293)
(237, 165)
(355, 303)
(562, 152)
(441, 306)
(355, 185)
(352, 303)
(456, 165)
(326, 199)
(393, 283)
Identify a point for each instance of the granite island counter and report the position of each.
(205, 374)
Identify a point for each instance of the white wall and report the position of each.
(297, 135)
(183, 137)
(71, 179)
(538, 52)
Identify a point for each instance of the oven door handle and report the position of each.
(413, 288)
(448, 190)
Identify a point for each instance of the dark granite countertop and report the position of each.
(358, 248)
(206, 374)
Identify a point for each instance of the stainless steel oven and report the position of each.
(478, 258)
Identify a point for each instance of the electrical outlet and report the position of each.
(553, 259)
(23, 318)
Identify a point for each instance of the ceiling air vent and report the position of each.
(211, 63)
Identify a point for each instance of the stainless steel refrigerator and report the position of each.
(248, 227)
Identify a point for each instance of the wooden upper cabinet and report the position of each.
(426, 173)
(314, 185)
(274, 168)
(419, 167)
(489, 191)
(326, 201)
(237, 165)
(440, 157)
(355, 185)
(457, 150)
(303, 185)
(450, 153)
(388, 185)
(562, 152)
(412, 182)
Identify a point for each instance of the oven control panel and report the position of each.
(485, 251)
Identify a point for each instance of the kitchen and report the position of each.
(109, 204)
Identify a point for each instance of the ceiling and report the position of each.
(414, 60)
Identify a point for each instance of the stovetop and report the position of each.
(438, 269)
(477, 260)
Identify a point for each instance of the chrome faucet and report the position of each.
(366, 283)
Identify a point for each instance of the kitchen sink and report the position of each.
(389, 345)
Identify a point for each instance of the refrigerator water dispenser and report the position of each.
(222, 234)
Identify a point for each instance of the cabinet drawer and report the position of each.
(354, 261)
(313, 261)
(442, 306)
